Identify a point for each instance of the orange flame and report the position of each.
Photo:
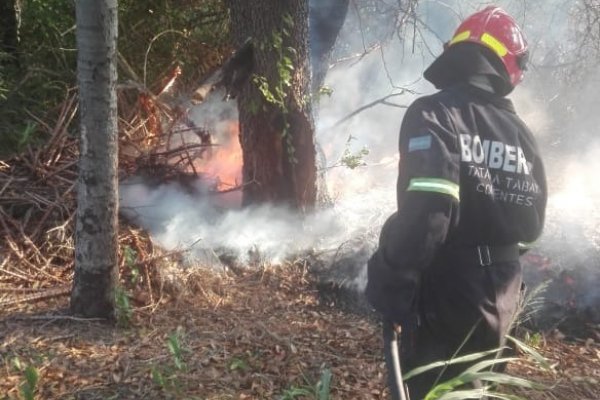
(223, 163)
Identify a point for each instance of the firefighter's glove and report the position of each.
(407, 323)
(389, 291)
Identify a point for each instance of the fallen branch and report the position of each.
(54, 318)
(46, 294)
(178, 150)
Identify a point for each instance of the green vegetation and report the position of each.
(36, 85)
(277, 93)
(123, 308)
(486, 370)
(318, 391)
(155, 36)
(482, 371)
(29, 383)
(130, 257)
(353, 160)
(166, 376)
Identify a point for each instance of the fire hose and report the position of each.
(396, 382)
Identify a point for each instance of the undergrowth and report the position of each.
(154, 37)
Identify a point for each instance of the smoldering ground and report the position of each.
(556, 100)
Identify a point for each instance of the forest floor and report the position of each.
(262, 334)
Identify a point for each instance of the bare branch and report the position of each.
(372, 104)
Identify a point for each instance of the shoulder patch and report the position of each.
(419, 143)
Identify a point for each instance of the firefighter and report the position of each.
(471, 195)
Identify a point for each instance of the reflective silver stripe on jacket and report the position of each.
(526, 245)
(434, 185)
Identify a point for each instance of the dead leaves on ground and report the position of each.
(258, 335)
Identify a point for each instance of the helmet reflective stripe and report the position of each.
(434, 185)
(494, 44)
(461, 37)
(487, 39)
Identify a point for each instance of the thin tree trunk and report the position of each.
(277, 140)
(96, 226)
(10, 22)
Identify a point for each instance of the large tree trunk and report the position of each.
(96, 226)
(277, 139)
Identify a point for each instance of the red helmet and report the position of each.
(495, 29)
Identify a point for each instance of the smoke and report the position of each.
(178, 219)
(560, 112)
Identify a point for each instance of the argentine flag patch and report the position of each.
(419, 143)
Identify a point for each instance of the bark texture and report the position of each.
(97, 200)
(275, 169)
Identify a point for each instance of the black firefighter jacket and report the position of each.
(470, 174)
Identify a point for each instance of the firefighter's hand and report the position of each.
(406, 328)
(405, 323)
(387, 291)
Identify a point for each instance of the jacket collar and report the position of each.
(472, 63)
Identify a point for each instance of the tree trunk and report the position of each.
(10, 22)
(276, 125)
(326, 20)
(97, 199)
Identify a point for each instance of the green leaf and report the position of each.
(326, 90)
(17, 363)
(502, 378)
(458, 360)
(176, 349)
(26, 134)
(31, 376)
(324, 385)
(539, 359)
(353, 161)
(135, 275)
(476, 394)
(123, 310)
(27, 388)
(130, 256)
(157, 377)
(482, 365)
(288, 20)
(295, 392)
(238, 363)
(287, 62)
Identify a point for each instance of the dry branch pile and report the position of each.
(37, 205)
(38, 190)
